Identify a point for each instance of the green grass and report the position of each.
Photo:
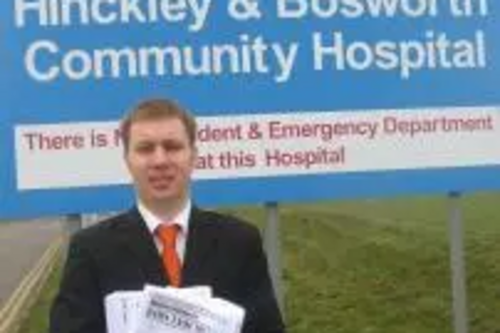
(37, 319)
(377, 266)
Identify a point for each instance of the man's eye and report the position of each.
(172, 146)
(144, 148)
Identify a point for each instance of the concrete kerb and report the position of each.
(25, 294)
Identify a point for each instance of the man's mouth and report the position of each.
(160, 182)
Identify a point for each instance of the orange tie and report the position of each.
(171, 261)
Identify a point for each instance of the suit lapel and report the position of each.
(137, 240)
(201, 245)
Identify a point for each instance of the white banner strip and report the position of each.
(88, 154)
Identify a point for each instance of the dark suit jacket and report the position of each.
(120, 254)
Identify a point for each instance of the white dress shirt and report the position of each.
(182, 220)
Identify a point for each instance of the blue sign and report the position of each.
(349, 98)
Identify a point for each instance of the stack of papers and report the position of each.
(171, 310)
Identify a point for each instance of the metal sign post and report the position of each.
(457, 261)
(73, 223)
(273, 248)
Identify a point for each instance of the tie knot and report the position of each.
(168, 234)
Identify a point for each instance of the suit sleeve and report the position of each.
(78, 307)
(263, 315)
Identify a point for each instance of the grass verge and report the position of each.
(37, 320)
(374, 266)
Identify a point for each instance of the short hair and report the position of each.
(156, 109)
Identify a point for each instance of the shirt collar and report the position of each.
(153, 221)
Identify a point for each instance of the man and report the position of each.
(125, 252)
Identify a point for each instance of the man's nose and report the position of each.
(160, 156)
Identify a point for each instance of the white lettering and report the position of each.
(22, 7)
(251, 56)
(407, 56)
(192, 13)
(285, 60)
(31, 58)
(98, 12)
(326, 9)
(77, 64)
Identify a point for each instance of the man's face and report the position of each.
(160, 159)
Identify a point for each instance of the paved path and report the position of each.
(21, 245)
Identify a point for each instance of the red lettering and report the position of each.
(41, 141)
